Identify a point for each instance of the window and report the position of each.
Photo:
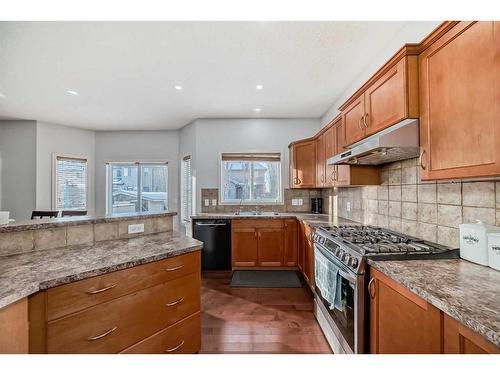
(70, 183)
(137, 187)
(250, 178)
(186, 189)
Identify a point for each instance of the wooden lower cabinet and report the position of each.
(263, 243)
(123, 322)
(308, 255)
(14, 328)
(459, 339)
(400, 321)
(183, 337)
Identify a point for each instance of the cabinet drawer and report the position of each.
(181, 338)
(79, 295)
(115, 325)
(257, 223)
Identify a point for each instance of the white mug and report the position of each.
(4, 217)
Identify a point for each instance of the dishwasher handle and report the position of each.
(211, 224)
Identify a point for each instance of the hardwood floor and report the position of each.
(257, 320)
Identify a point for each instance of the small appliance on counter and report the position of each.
(317, 205)
(474, 241)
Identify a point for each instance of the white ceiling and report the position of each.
(125, 72)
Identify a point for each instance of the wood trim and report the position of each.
(437, 33)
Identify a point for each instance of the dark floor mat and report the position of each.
(265, 279)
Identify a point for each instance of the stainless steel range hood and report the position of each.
(400, 141)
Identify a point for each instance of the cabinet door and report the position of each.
(304, 164)
(352, 117)
(330, 150)
(270, 247)
(342, 173)
(244, 247)
(459, 339)
(459, 99)
(400, 321)
(320, 161)
(386, 99)
(300, 248)
(308, 267)
(291, 242)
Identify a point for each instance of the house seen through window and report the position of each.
(70, 183)
(137, 187)
(251, 178)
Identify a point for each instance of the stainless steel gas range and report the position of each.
(342, 277)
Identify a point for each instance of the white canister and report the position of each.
(494, 250)
(474, 241)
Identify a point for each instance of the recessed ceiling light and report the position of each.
(178, 87)
(72, 92)
(259, 87)
(258, 109)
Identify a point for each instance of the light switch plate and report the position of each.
(136, 228)
(294, 202)
(301, 201)
(207, 202)
(214, 202)
(348, 206)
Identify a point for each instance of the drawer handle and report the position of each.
(102, 334)
(174, 348)
(174, 268)
(175, 302)
(101, 290)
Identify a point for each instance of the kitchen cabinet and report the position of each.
(320, 160)
(330, 136)
(308, 255)
(258, 243)
(14, 328)
(121, 311)
(391, 95)
(291, 242)
(459, 102)
(400, 321)
(301, 248)
(459, 339)
(303, 164)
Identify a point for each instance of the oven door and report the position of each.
(345, 318)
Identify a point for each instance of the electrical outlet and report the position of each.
(348, 206)
(207, 202)
(136, 228)
(214, 202)
(301, 201)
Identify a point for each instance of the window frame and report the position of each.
(54, 181)
(253, 202)
(139, 165)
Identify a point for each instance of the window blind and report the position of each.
(187, 188)
(229, 156)
(71, 183)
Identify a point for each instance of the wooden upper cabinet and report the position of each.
(303, 164)
(330, 150)
(244, 247)
(352, 117)
(291, 242)
(400, 321)
(460, 103)
(320, 160)
(389, 97)
(393, 97)
(270, 247)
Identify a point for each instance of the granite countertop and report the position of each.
(77, 220)
(468, 292)
(314, 220)
(28, 273)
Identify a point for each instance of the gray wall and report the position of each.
(18, 168)
(61, 140)
(214, 136)
(145, 146)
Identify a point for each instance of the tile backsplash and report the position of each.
(304, 194)
(430, 210)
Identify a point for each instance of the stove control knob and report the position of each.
(339, 253)
(354, 262)
(322, 240)
(345, 258)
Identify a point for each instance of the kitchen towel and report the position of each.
(328, 281)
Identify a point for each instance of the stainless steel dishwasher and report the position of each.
(216, 237)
